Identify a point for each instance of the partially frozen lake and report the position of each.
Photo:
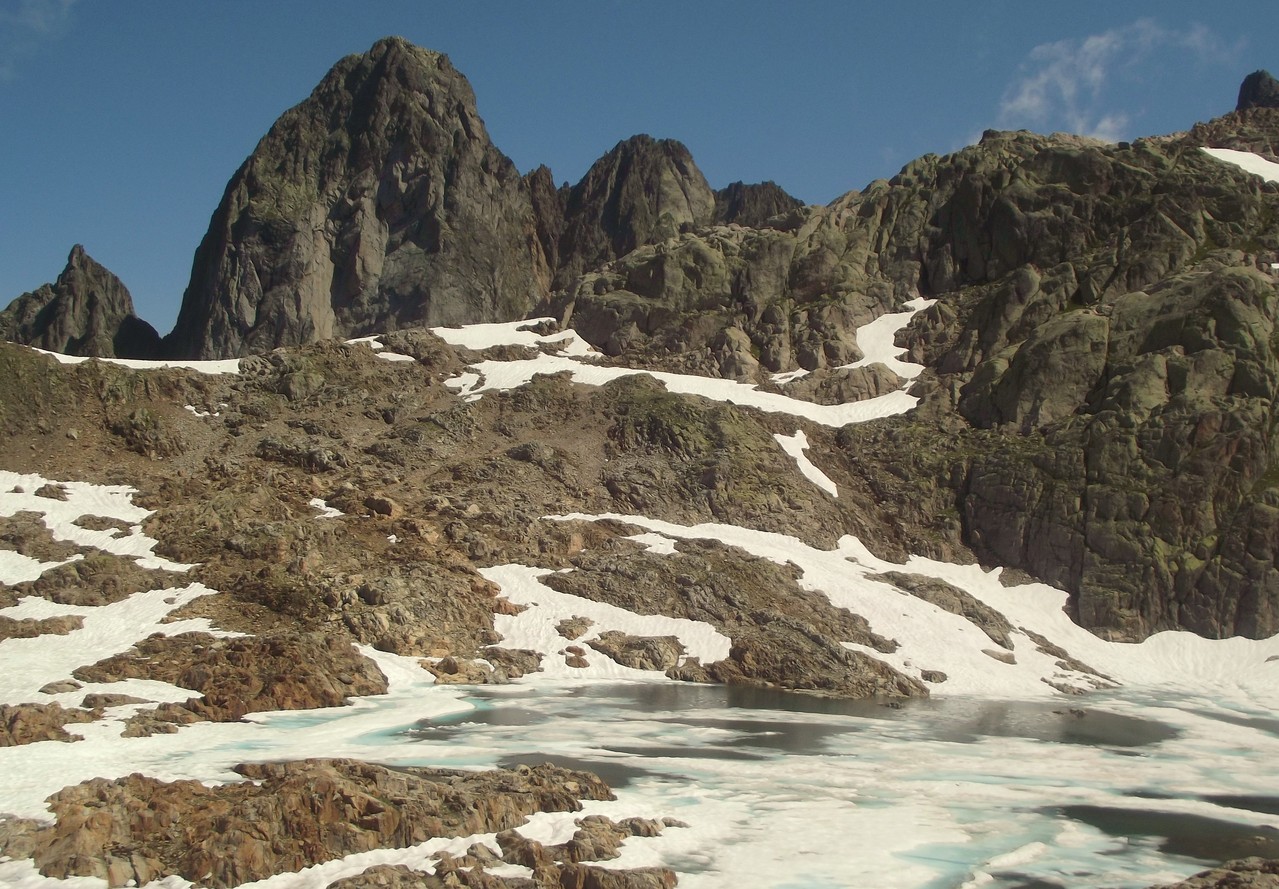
(783, 790)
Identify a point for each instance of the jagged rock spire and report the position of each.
(87, 311)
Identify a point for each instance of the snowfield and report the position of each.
(934, 639)
(212, 368)
(875, 340)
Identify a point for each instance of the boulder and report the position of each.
(639, 652)
(29, 723)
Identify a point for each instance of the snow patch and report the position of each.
(534, 628)
(876, 340)
(326, 511)
(212, 368)
(83, 498)
(789, 376)
(16, 568)
(497, 376)
(1247, 161)
(373, 342)
(655, 543)
(478, 337)
(795, 445)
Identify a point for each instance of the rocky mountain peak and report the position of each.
(640, 192)
(377, 202)
(87, 311)
(754, 204)
(1258, 90)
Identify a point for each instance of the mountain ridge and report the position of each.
(1073, 279)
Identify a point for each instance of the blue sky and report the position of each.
(122, 122)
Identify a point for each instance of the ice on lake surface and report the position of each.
(785, 790)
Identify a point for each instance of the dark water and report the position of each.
(694, 706)
(615, 774)
(1054, 723)
(1266, 724)
(1193, 836)
(1268, 805)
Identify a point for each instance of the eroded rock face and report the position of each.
(245, 675)
(1111, 429)
(376, 203)
(752, 205)
(286, 817)
(87, 311)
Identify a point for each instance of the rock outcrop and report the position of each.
(1242, 873)
(752, 205)
(1258, 90)
(792, 639)
(378, 202)
(87, 311)
(29, 723)
(1072, 277)
(244, 675)
(287, 816)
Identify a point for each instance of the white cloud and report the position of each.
(1063, 85)
(24, 25)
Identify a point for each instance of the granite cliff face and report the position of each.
(87, 311)
(378, 202)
